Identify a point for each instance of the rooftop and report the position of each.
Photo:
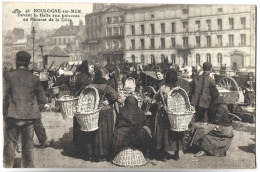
(57, 52)
(67, 31)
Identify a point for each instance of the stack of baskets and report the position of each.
(87, 109)
(67, 104)
(129, 157)
(179, 110)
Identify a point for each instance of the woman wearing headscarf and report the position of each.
(108, 97)
(164, 139)
(216, 137)
(131, 130)
(83, 79)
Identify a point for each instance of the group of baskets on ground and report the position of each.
(86, 110)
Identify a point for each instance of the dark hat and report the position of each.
(23, 57)
(207, 66)
(171, 76)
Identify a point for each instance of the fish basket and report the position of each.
(55, 90)
(179, 110)
(87, 109)
(130, 84)
(67, 104)
(44, 76)
(88, 121)
(129, 157)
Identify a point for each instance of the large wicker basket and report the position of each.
(88, 121)
(129, 157)
(130, 84)
(67, 104)
(87, 110)
(179, 110)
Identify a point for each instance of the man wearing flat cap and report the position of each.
(202, 91)
(23, 100)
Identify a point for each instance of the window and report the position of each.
(109, 31)
(59, 41)
(162, 59)
(208, 41)
(185, 59)
(173, 28)
(68, 40)
(162, 43)
(163, 27)
(220, 9)
(121, 30)
(142, 60)
(152, 43)
(152, 16)
(243, 22)
(219, 59)
(64, 40)
(152, 28)
(133, 44)
(219, 40)
(243, 39)
(185, 42)
(121, 19)
(133, 30)
(109, 20)
(115, 19)
(153, 59)
(55, 41)
(208, 22)
(185, 11)
(219, 24)
(133, 59)
(231, 23)
(142, 29)
(197, 25)
(173, 42)
(208, 58)
(115, 45)
(116, 31)
(142, 44)
(231, 40)
(197, 59)
(185, 26)
(173, 59)
(197, 41)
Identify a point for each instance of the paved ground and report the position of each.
(60, 155)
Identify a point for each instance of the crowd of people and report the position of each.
(121, 123)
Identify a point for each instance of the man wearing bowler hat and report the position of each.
(202, 91)
(23, 100)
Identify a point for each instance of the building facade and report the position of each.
(187, 35)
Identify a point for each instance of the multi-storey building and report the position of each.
(183, 34)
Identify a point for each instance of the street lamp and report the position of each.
(33, 35)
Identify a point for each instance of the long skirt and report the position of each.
(164, 138)
(138, 138)
(95, 143)
(213, 141)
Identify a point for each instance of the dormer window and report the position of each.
(185, 11)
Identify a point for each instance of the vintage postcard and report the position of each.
(127, 85)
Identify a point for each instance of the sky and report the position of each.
(11, 20)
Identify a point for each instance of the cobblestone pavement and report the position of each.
(60, 155)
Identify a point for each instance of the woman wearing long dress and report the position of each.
(131, 130)
(108, 97)
(216, 137)
(165, 139)
(80, 138)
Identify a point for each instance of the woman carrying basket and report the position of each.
(108, 97)
(80, 138)
(164, 139)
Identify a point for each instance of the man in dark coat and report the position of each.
(201, 88)
(23, 100)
